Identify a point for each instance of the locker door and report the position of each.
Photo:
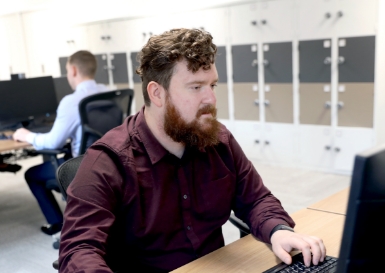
(101, 75)
(139, 101)
(356, 81)
(278, 71)
(222, 88)
(315, 82)
(120, 69)
(245, 78)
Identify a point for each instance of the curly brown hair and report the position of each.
(158, 57)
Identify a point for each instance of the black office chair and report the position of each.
(99, 113)
(64, 175)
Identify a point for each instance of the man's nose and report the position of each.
(210, 96)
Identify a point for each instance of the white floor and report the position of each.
(24, 249)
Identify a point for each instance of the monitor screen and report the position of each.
(363, 238)
(62, 88)
(27, 99)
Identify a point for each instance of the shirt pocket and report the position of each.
(218, 196)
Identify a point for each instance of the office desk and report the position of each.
(8, 145)
(336, 203)
(249, 255)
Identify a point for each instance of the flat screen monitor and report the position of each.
(363, 241)
(62, 88)
(27, 99)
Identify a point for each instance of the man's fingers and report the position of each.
(282, 255)
(318, 248)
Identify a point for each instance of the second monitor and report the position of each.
(27, 99)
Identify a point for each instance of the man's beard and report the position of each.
(192, 133)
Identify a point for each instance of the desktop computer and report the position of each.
(62, 88)
(363, 239)
(26, 101)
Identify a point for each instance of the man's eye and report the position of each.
(213, 86)
(196, 87)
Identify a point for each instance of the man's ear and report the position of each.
(156, 93)
(72, 70)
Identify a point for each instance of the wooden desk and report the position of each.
(7, 145)
(336, 203)
(249, 255)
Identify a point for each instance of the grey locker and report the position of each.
(139, 101)
(278, 62)
(314, 61)
(278, 74)
(356, 59)
(221, 90)
(244, 64)
(220, 63)
(63, 62)
(135, 65)
(101, 75)
(120, 69)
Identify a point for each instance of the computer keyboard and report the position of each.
(329, 265)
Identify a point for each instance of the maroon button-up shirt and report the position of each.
(134, 207)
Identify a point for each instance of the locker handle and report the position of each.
(341, 59)
(254, 63)
(337, 149)
(328, 60)
(267, 142)
(327, 147)
(256, 102)
(266, 62)
(267, 103)
(256, 141)
(328, 15)
(340, 105)
(327, 105)
(340, 14)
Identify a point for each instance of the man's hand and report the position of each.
(21, 134)
(284, 241)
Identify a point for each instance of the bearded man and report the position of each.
(153, 194)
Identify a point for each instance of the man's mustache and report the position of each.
(207, 109)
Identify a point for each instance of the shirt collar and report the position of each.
(154, 149)
(85, 85)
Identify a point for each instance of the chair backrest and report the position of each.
(101, 112)
(66, 173)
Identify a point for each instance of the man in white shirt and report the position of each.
(81, 69)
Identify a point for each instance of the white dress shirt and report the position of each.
(67, 122)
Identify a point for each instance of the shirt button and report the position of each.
(188, 227)
(185, 196)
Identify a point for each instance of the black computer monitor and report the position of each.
(363, 241)
(17, 76)
(27, 99)
(62, 88)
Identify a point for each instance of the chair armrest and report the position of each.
(55, 264)
(53, 151)
(239, 224)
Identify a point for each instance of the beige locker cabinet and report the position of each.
(355, 105)
(315, 103)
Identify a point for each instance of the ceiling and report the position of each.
(94, 10)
